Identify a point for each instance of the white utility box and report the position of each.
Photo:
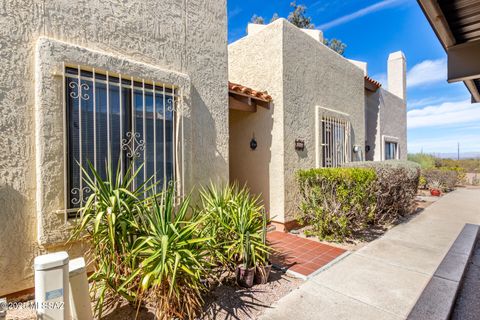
(80, 306)
(51, 286)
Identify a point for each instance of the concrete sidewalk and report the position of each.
(384, 279)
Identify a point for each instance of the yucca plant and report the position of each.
(234, 220)
(109, 224)
(172, 258)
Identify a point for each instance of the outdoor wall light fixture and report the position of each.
(299, 145)
(253, 143)
(356, 149)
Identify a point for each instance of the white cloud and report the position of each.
(417, 103)
(360, 13)
(426, 72)
(447, 113)
(235, 12)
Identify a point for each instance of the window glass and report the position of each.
(112, 121)
(390, 150)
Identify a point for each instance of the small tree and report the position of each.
(257, 19)
(274, 17)
(336, 45)
(298, 18)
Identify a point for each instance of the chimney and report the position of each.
(397, 74)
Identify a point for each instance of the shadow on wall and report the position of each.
(251, 167)
(201, 145)
(371, 118)
(17, 240)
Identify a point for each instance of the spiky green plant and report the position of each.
(234, 220)
(109, 224)
(171, 256)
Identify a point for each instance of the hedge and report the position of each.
(339, 201)
(336, 201)
(447, 178)
(397, 186)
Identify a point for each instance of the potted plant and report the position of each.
(245, 272)
(435, 188)
(262, 271)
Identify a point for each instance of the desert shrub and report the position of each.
(469, 165)
(461, 174)
(396, 187)
(422, 182)
(426, 161)
(336, 201)
(446, 178)
(235, 222)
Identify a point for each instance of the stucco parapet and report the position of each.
(51, 56)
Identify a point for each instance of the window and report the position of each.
(117, 120)
(335, 142)
(390, 150)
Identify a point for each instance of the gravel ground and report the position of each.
(225, 302)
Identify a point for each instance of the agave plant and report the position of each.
(109, 223)
(172, 257)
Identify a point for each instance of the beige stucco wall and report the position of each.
(257, 61)
(386, 116)
(251, 167)
(306, 79)
(172, 40)
(317, 81)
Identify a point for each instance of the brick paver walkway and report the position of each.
(300, 255)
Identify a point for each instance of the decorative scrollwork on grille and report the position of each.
(171, 104)
(83, 88)
(79, 196)
(133, 144)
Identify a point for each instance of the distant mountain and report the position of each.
(465, 155)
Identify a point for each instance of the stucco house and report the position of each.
(143, 82)
(103, 81)
(386, 113)
(325, 111)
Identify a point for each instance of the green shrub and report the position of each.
(337, 201)
(171, 257)
(108, 222)
(143, 249)
(397, 185)
(234, 219)
(426, 161)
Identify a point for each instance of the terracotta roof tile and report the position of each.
(238, 88)
(373, 82)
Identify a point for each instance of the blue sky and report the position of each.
(439, 114)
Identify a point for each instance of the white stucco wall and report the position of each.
(306, 79)
(182, 38)
(386, 117)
